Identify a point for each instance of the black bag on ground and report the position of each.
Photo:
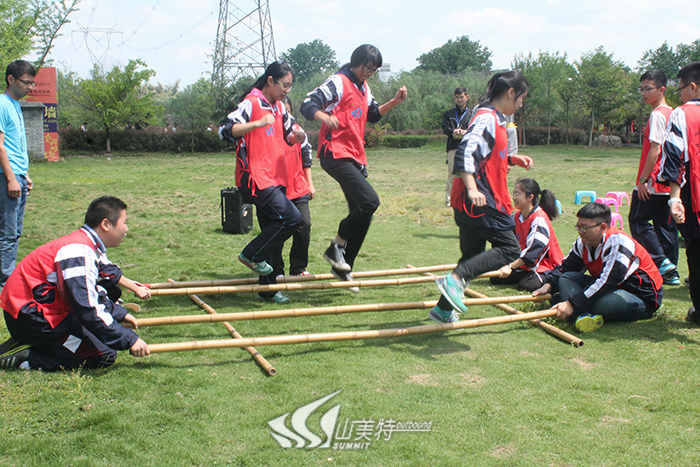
(236, 216)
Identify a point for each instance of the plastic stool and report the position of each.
(558, 203)
(609, 202)
(581, 193)
(616, 217)
(619, 196)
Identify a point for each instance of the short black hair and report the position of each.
(461, 90)
(19, 68)
(657, 76)
(366, 54)
(597, 212)
(104, 207)
(690, 73)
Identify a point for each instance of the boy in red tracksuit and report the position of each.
(624, 283)
(56, 303)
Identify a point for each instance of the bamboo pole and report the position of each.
(259, 359)
(330, 310)
(310, 278)
(552, 330)
(342, 336)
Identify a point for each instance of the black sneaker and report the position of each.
(344, 276)
(693, 316)
(335, 255)
(14, 357)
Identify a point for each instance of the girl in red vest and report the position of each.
(262, 130)
(539, 248)
(343, 105)
(480, 197)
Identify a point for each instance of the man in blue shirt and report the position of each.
(15, 184)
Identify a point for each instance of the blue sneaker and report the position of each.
(438, 315)
(672, 279)
(667, 268)
(276, 298)
(452, 291)
(261, 268)
(588, 323)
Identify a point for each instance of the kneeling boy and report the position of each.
(56, 303)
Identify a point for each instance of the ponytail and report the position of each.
(542, 198)
(500, 83)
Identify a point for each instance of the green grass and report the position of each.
(500, 395)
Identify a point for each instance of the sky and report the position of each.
(176, 37)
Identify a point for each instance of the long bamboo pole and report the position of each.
(259, 359)
(330, 310)
(552, 330)
(297, 286)
(343, 336)
(310, 278)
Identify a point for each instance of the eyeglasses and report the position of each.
(680, 88)
(285, 86)
(25, 82)
(585, 228)
(647, 89)
(371, 70)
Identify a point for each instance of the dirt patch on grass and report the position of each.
(500, 452)
(423, 379)
(472, 380)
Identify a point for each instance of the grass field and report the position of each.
(499, 395)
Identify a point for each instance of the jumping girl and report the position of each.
(540, 251)
(262, 129)
(480, 197)
(343, 105)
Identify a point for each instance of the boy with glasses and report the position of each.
(680, 165)
(650, 198)
(624, 283)
(15, 183)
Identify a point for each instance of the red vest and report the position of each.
(39, 271)
(491, 175)
(646, 146)
(692, 119)
(553, 256)
(265, 148)
(297, 184)
(348, 141)
(646, 264)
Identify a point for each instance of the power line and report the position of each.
(178, 37)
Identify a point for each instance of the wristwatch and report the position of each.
(643, 180)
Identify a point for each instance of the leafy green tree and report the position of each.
(114, 98)
(310, 58)
(68, 88)
(31, 25)
(687, 53)
(663, 58)
(602, 84)
(194, 107)
(457, 57)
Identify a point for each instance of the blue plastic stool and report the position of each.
(558, 203)
(581, 193)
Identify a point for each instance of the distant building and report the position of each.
(385, 72)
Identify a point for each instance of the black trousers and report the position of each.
(67, 346)
(661, 240)
(362, 200)
(526, 280)
(476, 259)
(692, 253)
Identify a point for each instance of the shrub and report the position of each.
(537, 136)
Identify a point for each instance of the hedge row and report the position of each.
(142, 141)
(157, 140)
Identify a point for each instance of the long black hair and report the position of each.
(500, 83)
(542, 198)
(277, 70)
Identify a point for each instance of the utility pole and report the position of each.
(244, 42)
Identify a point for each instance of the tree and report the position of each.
(308, 59)
(457, 57)
(663, 59)
(114, 99)
(28, 25)
(194, 107)
(602, 84)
